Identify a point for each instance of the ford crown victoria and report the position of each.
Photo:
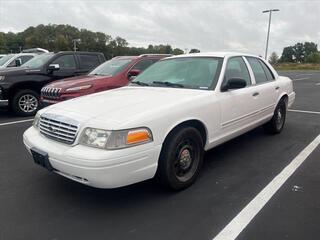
(161, 124)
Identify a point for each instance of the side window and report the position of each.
(88, 61)
(236, 68)
(65, 61)
(267, 70)
(143, 64)
(25, 58)
(257, 69)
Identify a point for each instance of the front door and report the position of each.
(238, 106)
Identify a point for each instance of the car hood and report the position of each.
(123, 106)
(77, 81)
(12, 71)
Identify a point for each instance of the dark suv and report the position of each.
(114, 73)
(20, 87)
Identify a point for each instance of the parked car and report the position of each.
(20, 87)
(112, 74)
(35, 50)
(162, 123)
(15, 60)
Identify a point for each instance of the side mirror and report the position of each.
(18, 62)
(234, 83)
(53, 67)
(133, 73)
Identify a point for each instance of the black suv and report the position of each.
(20, 87)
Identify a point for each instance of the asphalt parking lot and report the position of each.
(36, 204)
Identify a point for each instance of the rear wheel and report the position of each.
(276, 124)
(181, 158)
(25, 103)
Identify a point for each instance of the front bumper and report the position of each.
(291, 99)
(46, 102)
(97, 167)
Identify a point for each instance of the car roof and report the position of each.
(144, 56)
(213, 54)
(22, 54)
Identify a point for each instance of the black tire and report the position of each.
(276, 124)
(181, 158)
(25, 103)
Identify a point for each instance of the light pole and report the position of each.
(270, 13)
(75, 41)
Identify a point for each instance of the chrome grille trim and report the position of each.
(58, 128)
(48, 92)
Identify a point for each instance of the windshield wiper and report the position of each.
(169, 84)
(140, 83)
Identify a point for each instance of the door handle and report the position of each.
(255, 94)
(277, 87)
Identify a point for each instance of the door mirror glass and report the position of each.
(133, 73)
(234, 83)
(53, 67)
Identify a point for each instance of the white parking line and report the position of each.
(318, 83)
(235, 227)
(15, 122)
(305, 74)
(302, 111)
(299, 79)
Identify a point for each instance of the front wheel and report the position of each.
(276, 124)
(181, 158)
(25, 103)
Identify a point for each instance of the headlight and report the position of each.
(2, 78)
(75, 89)
(36, 120)
(115, 139)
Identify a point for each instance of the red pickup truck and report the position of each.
(114, 73)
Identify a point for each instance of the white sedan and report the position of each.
(161, 124)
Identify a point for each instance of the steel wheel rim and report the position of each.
(186, 160)
(28, 103)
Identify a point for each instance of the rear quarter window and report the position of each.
(267, 70)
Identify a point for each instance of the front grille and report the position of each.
(52, 93)
(58, 128)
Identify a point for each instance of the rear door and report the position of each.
(265, 85)
(87, 62)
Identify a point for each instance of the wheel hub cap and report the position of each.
(185, 159)
(28, 103)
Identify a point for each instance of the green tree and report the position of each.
(177, 51)
(287, 54)
(310, 48)
(59, 37)
(313, 58)
(299, 52)
(62, 44)
(273, 59)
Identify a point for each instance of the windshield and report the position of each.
(111, 67)
(187, 72)
(5, 59)
(38, 61)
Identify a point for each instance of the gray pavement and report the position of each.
(36, 204)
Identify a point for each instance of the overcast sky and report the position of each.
(206, 25)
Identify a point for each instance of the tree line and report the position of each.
(299, 53)
(62, 37)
